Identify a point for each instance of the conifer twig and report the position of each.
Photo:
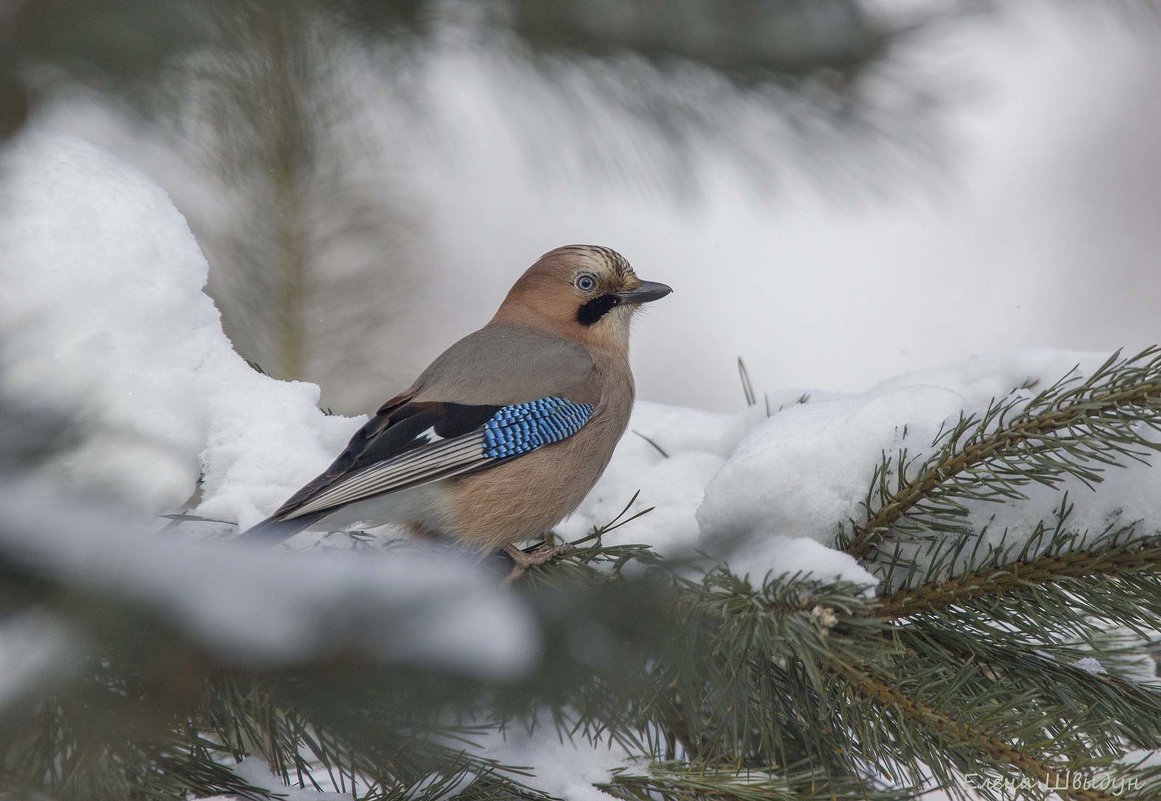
(1065, 430)
(683, 782)
(887, 695)
(1127, 557)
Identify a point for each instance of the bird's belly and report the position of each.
(527, 496)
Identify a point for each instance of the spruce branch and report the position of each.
(1074, 428)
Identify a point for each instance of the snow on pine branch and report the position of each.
(251, 605)
(1077, 429)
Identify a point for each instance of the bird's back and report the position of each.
(505, 363)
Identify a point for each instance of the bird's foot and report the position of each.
(545, 552)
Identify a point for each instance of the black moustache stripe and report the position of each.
(595, 309)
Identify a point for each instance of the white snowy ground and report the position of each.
(102, 316)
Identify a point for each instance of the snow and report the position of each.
(805, 470)
(102, 316)
(983, 377)
(693, 446)
(780, 555)
(565, 768)
(1090, 665)
(767, 494)
(257, 772)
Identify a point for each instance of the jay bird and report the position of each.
(505, 433)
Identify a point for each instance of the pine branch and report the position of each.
(1070, 429)
(767, 692)
(677, 781)
(589, 558)
(988, 624)
(732, 690)
(960, 735)
(1039, 697)
(369, 740)
(100, 742)
(1129, 558)
(1053, 590)
(749, 676)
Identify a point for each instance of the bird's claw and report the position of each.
(539, 555)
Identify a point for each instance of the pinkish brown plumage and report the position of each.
(551, 369)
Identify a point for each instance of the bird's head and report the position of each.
(583, 291)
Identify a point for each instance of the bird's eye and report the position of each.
(585, 282)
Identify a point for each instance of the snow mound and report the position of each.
(102, 314)
(767, 489)
(805, 470)
(799, 476)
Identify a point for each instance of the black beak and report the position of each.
(646, 292)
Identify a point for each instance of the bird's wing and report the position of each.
(507, 381)
(410, 443)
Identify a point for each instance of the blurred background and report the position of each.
(838, 190)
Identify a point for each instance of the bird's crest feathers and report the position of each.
(548, 296)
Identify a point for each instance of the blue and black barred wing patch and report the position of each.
(524, 427)
(435, 449)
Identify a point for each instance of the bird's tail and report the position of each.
(274, 530)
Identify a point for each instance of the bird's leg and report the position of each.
(523, 560)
